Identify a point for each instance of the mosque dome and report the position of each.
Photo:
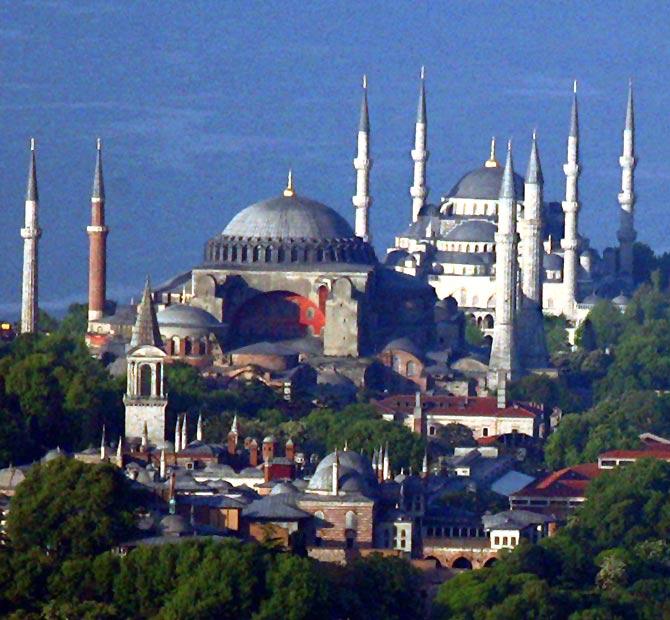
(473, 230)
(181, 315)
(552, 262)
(484, 183)
(288, 229)
(355, 473)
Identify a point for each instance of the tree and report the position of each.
(66, 508)
(452, 436)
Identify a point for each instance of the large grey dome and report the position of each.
(289, 217)
(355, 472)
(288, 229)
(484, 184)
(181, 315)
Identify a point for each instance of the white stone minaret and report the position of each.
(532, 221)
(419, 191)
(504, 359)
(570, 241)
(533, 351)
(30, 233)
(362, 164)
(626, 233)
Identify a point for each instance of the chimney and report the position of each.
(266, 471)
(290, 450)
(253, 453)
(269, 448)
(502, 390)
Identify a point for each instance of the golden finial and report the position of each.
(492, 162)
(289, 191)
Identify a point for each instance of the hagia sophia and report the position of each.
(290, 291)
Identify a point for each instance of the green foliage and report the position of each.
(66, 508)
(555, 328)
(612, 562)
(473, 335)
(452, 436)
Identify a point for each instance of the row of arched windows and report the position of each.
(187, 346)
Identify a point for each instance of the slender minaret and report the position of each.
(570, 241)
(177, 435)
(386, 472)
(184, 434)
(103, 445)
(362, 164)
(198, 430)
(419, 191)
(336, 474)
(30, 233)
(626, 233)
(97, 235)
(532, 340)
(504, 348)
(163, 465)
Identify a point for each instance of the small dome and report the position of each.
(175, 525)
(289, 217)
(269, 439)
(621, 300)
(473, 230)
(591, 300)
(429, 210)
(396, 258)
(484, 184)
(404, 344)
(552, 262)
(284, 487)
(335, 379)
(180, 315)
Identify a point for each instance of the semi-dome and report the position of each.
(473, 230)
(288, 229)
(181, 315)
(484, 184)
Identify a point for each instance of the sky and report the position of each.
(203, 106)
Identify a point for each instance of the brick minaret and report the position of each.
(30, 233)
(97, 234)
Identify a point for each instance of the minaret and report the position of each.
(97, 235)
(163, 465)
(103, 445)
(198, 430)
(533, 344)
(177, 435)
(504, 347)
(386, 472)
(336, 473)
(626, 233)
(570, 241)
(184, 434)
(419, 191)
(362, 164)
(30, 233)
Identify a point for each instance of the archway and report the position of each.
(462, 562)
(490, 562)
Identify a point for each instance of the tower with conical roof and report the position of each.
(97, 235)
(504, 358)
(362, 165)
(570, 241)
(30, 233)
(146, 399)
(532, 340)
(626, 233)
(418, 191)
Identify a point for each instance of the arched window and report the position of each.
(281, 255)
(145, 380)
(268, 254)
(159, 379)
(256, 254)
(319, 255)
(412, 369)
(175, 345)
(294, 255)
(203, 346)
(351, 521)
(397, 363)
(244, 254)
(188, 347)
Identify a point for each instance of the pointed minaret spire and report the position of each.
(184, 433)
(503, 349)
(362, 165)
(145, 330)
(97, 235)
(177, 435)
(626, 233)
(119, 452)
(424, 464)
(418, 191)
(163, 465)
(103, 445)
(30, 233)
(386, 474)
(233, 426)
(198, 430)
(570, 241)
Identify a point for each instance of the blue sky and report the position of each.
(203, 106)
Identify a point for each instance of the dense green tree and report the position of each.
(473, 335)
(452, 436)
(66, 508)
(555, 328)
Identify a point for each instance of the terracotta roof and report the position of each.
(566, 482)
(651, 453)
(456, 405)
